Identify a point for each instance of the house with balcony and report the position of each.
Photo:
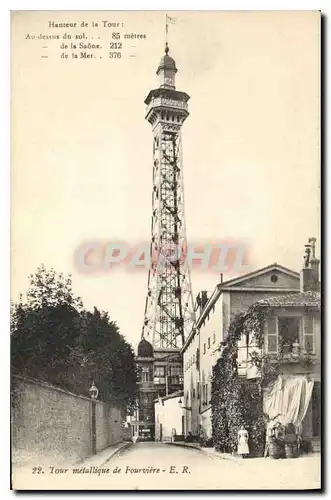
(291, 349)
(215, 311)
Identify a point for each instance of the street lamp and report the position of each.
(189, 408)
(93, 391)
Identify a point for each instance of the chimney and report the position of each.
(309, 279)
(315, 264)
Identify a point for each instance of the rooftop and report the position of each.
(173, 395)
(299, 299)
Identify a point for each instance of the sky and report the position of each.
(81, 150)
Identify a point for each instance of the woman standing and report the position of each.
(243, 449)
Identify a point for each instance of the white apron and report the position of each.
(243, 443)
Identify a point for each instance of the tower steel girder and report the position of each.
(169, 309)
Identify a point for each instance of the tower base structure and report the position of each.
(160, 374)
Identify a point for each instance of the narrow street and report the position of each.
(182, 468)
(155, 466)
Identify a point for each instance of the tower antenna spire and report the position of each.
(166, 31)
(168, 20)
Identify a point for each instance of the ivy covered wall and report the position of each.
(235, 401)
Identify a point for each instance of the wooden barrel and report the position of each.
(276, 450)
(290, 450)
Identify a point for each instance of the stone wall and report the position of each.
(49, 423)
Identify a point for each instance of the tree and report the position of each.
(54, 339)
(44, 326)
(105, 356)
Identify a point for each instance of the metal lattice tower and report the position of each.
(169, 310)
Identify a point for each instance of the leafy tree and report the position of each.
(54, 339)
(107, 358)
(44, 326)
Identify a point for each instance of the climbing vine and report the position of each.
(237, 401)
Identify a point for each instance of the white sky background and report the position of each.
(82, 151)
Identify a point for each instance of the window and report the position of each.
(145, 374)
(198, 359)
(175, 374)
(272, 341)
(159, 375)
(308, 335)
(208, 342)
(204, 348)
(288, 333)
(198, 390)
(205, 394)
(193, 392)
(187, 399)
(175, 370)
(283, 335)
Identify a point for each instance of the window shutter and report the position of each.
(308, 335)
(272, 337)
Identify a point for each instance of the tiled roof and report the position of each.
(300, 299)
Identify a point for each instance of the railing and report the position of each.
(292, 353)
(161, 101)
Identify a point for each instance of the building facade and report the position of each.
(202, 348)
(160, 373)
(292, 342)
(292, 337)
